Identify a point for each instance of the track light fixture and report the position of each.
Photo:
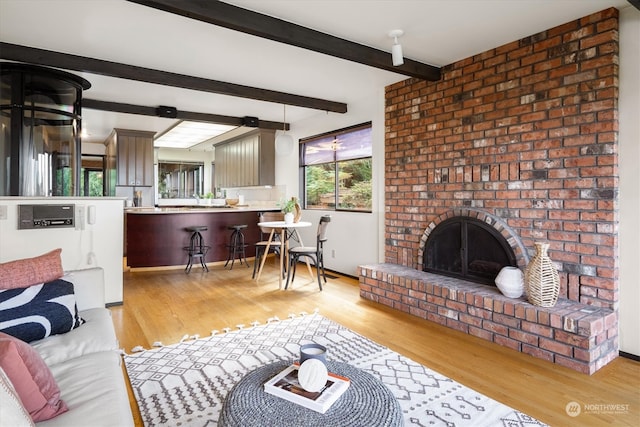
(396, 49)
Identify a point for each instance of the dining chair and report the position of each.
(316, 254)
(264, 236)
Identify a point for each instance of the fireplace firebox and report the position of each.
(469, 249)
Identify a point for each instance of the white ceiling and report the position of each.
(437, 32)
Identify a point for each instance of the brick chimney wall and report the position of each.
(526, 132)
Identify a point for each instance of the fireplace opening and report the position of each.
(469, 249)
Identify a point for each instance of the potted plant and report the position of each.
(289, 207)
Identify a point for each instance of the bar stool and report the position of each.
(196, 249)
(236, 245)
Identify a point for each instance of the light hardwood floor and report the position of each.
(166, 305)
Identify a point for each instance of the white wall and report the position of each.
(104, 238)
(629, 158)
(353, 238)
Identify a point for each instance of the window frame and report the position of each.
(336, 163)
(182, 178)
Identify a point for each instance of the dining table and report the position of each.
(285, 228)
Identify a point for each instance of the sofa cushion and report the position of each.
(39, 311)
(31, 378)
(95, 335)
(94, 388)
(13, 413)
(31, 271)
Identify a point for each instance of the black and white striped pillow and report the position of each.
(38, 311)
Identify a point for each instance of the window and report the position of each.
(337, 169)
(180, 180)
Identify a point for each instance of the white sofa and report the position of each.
(86, 362)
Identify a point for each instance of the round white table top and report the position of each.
(282, 224)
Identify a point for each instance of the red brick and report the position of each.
(556, 347)
(506, 320)
(523, 337)
(507, 342)
(509, 309)
(470, 320)
(498, 306)
(428, 307)
(480, 333)
(457, 306)
(537, 329)
(572, 339)
(611, 320)
(415, 311)
(455, 324)
(435, 300)
(585, 368)
(537, 352)
(585, 355)
(496, 328)
(544, 318)
(479, 312)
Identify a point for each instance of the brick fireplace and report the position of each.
(524, 136)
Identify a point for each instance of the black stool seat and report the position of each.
(196, 249)
(236, 245)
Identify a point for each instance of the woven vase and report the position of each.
(298, 212)
(542, 283)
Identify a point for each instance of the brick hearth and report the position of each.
(579, 336)
(527, 133)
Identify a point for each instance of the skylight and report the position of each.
(187, 134)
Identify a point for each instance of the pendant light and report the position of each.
(284, 141)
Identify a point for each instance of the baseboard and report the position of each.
(343, 274)
(629, 356)
(113, 304)
(333, 274)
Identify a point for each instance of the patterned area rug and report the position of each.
(185, 384)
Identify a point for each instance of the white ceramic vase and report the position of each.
(288, 218)
(510, 281)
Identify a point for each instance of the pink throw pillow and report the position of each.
(31, 379)
(26, 272)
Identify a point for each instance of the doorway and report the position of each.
(92, 176)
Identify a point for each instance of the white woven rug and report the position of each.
(185, 384)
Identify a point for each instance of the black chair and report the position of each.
(316, 254)
(264, 236)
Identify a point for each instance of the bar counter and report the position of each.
(156, 237)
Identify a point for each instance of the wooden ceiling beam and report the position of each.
(66, 61)
(260, 25)
(117, 107)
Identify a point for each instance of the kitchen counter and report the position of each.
(156, 237)
(196, 209)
